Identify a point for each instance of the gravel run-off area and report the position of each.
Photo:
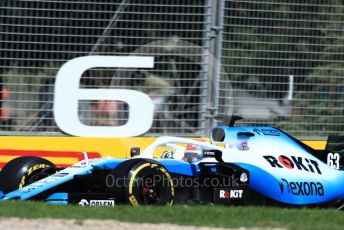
(63, 224)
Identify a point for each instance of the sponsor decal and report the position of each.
(78, 166)
(299, 188)
(59, 175)
(167, 154)
(92, 161)
(85, 163)
(32, 187)
(209, 153)
(107, 203)
(267, 132)
(84, 202)
(233, 193)
(28, 189)
(44, 181)
(301, 163)
(243, 146)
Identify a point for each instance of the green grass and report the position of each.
(202, 215)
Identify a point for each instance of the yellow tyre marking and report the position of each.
(22, 182)
(170, 180)
(133, 201)
(36, 167)
(134, 175)
(31, 170)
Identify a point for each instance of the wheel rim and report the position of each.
(150, 193)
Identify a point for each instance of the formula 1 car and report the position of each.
(240, 165)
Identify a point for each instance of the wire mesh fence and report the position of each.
(275, 63)
(286, 66)
(37, 37)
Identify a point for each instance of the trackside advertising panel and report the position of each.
(66, 151)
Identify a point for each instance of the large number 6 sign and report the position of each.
(68, 94)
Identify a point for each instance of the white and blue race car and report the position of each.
(240, 165)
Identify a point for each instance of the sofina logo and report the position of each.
(267, 132)
(299, 188)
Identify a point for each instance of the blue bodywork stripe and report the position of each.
(58, 196)
(58, 202)
(178, 167)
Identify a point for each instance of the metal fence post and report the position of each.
(214, 68)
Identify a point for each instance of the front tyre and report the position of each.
(149, 184)
(141, 182)
(22, 171)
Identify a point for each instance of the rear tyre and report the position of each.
(144, 182)
(22, 171)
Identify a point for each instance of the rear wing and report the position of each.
(335, 144)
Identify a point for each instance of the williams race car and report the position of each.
(240, 165)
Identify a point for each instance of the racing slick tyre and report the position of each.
(22, 171)
(143, 182)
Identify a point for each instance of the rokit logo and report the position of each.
(227, 194)
(109, 203)
(302, 188)
(290, 163)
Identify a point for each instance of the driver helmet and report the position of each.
(193, 153)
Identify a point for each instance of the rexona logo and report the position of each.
(292, 162)
(302, 188)
(109, 203)
(227, 194)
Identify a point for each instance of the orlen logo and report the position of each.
(225, 194)
(109, 203)
(302, 188)
(290, 163)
